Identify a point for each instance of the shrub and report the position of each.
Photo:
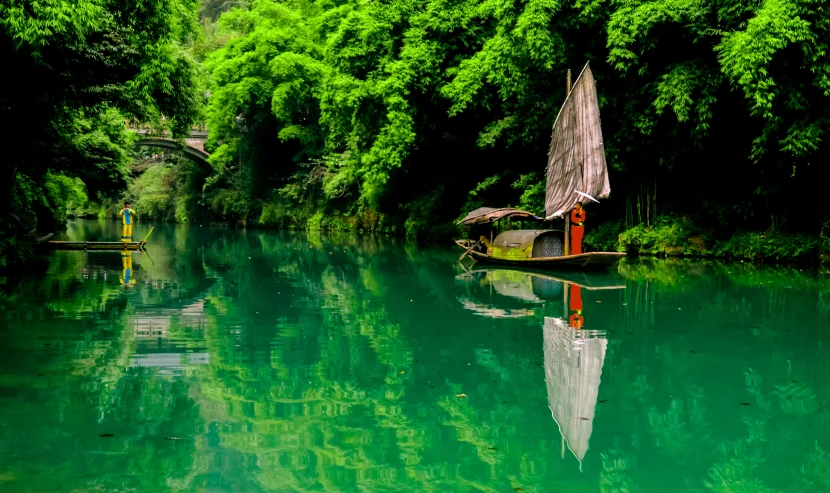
(604, 237)
(670, 235)
(777, 247)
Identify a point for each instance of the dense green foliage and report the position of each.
(401, 115)
(405, 106)
(74, 71)
(672, 236)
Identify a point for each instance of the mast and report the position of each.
(567, 249)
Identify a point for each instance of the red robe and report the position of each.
(577, 230)
(576, 320)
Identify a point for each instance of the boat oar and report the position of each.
(468, 251)
(141, 244)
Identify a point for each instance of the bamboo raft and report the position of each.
(100, 245)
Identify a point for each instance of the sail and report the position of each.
(573, 367)
(576, 160)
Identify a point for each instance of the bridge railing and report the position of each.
(195, 131)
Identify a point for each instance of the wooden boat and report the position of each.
(100, 245)
(584, 261)
(576, 168)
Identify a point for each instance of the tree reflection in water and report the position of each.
(247, 361)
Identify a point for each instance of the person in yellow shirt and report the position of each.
(127, 218)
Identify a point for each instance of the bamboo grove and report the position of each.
(721, 107)
(399, 115)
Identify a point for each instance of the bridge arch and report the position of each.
(197, 155)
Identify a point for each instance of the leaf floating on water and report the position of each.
(461, 396)
(172, 438)
(106, 435)
(745, 404)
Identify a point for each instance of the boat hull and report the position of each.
(591, 261)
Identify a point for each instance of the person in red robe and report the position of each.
(577, 321)
(577, 228)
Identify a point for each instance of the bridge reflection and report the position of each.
(168, 351)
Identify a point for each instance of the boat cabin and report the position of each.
(486, 225)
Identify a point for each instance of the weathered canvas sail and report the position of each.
(576, 160)
(573, 367)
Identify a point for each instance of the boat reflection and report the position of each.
(574, 353)
(507, 293)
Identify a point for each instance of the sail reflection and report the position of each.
(574, 353)
(573, 367)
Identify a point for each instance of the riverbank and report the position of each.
(668, 238)
(680, 237)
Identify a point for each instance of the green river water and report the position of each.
(235, 361)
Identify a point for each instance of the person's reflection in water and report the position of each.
(127, 269)
(576, 319)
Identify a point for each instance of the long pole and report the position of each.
(565, 311)
(141, 244)
(568, 213)
(567, 232)
(468, 251)
(569, 81)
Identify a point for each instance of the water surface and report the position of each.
(232, 361)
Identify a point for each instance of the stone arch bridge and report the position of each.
(193, 146)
